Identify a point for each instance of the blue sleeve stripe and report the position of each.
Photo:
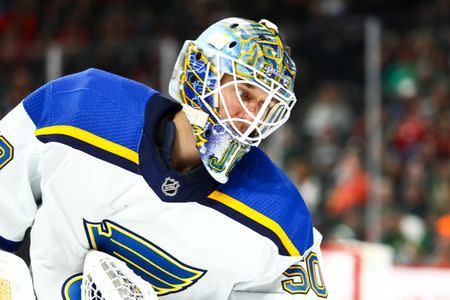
(92, 139)
(259, 218)
(8, 245)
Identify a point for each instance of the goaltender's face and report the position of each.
(252, 97)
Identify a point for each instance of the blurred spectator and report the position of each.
(351, 188)
(413, 230)
(306, 182)
(325, 151)
(329, 112)
(411, 130)
(18, 30)
(20, 85)
(350, 225)
(442, 255)
(440, 134)
(400, 76)
(439, 187)
(391, 233)
(438, 100)
(73, 36)
(328, 7)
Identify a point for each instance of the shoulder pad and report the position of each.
(94, 111)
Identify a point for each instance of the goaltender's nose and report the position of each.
(253, 109)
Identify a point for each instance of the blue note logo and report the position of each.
(6, 152)
(161, 270)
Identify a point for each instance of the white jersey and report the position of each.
(82, 162)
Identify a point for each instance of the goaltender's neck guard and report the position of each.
(169, 184)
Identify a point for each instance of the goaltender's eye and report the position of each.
(244, 95)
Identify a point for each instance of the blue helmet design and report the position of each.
(253, 53)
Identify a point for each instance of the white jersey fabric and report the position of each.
(83, 177)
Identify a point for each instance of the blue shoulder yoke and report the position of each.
(93, 111)
(260, 196)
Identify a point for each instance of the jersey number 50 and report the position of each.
(305, 280)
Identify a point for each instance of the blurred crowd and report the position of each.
(329, 163)
(326, 139)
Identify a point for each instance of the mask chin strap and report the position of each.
(195, 116)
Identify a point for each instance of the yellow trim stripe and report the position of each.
(69, 284)
(257, 217)
(91, 139)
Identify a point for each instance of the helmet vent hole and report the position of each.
(232, 44)
(198, 56)
(192, 78)
(234, 25)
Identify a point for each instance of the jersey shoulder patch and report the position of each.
(6, 152)
(94, 111)
(260, 196)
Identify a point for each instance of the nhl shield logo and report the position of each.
(170, 187)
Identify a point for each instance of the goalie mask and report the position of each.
(213, 77)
